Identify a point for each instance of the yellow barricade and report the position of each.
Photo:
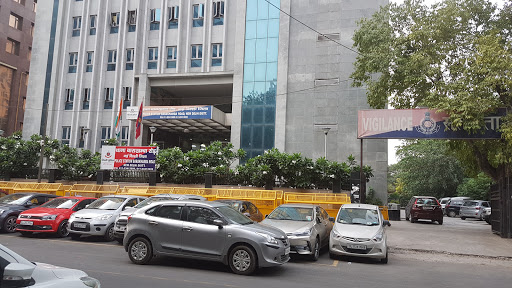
(384, 211)
(209, 193)
(8, 187)
(330, 202)
(134, 190)
(47, 188)
(64, 190)
(93, 190)
(265, 200)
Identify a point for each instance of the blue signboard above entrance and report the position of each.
(177, 112)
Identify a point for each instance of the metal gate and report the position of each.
(501, 204)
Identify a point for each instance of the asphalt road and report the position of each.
(109, 263)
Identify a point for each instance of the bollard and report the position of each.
(99, 177)
(52, 175)
(336, 185)
(208, 180)
(269, 185)
(152, 178)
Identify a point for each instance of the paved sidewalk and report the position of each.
(455, 236)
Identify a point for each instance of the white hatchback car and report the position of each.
(359, 230)
(16, 271)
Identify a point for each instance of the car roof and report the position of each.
(76, 197)
(429, 197)
(300, 205)
(34, 193)
(190, 202)
(231, 201)
(121, 196)
(359, 205)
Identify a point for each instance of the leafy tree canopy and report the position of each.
(476, 188)
(454, 56)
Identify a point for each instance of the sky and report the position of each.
(392, 143)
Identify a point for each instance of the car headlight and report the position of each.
(335, 234)
(72, 217)
(270, 239)
(90, 282)
(304, 232)
(1, 211)
(49, 217)
(379, 236)
(104, 217)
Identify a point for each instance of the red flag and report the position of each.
(139, 122)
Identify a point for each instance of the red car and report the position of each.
(52, 216)
(424, 207)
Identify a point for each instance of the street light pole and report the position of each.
(153, 130)
(326, 130)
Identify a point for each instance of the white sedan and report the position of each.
(16, 271)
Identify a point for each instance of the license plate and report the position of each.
(428, 208)
(80, 225)
(356, 246)
(287, 251)
(26, 223)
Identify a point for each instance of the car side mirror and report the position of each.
(218, 223)
(18, 275)
(386, 223)
(331, 219)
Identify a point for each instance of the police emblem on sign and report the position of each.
(428, 126)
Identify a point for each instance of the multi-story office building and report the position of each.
(263, 79)
(17, 19)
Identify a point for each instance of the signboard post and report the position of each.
(128, 158)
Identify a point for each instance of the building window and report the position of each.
(73, 62)
(112, 60)
(218, 13)
(82, 136)
(174, 14)
(22, 2)
(88, 65)
(32, 27)
(153, 58)
(129, 58)
(77, 25)
(127, 96)
(29, 54)
(171, 57)
(16, 21)
(105, 134)
(155, 17)
(197, 56)
(216, 54)
(198, 15)
(34, 6)
(66, 135)
(109, 98)
(132, 20)
(70, 97)
(124, 135)
(114, 23)
(12, 46)
(92, 29)
(87, 99)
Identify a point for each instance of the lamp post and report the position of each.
(326, 131)
(153, 130)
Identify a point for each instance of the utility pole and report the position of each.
(41, 156)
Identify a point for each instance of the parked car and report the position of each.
(452, 208)
(122, 219)
(19, 272)
(307, 226)
(443, 202)
(205, 231)
(98, 218)
(487, 215)
(473, 209)
(12, 205)
(52, 216)
(424, 207)
(359, 230)
(245, 207)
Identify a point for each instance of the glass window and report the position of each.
(109, 98)
(114, 22)
(60, 203)
(361, 216)
(129, 58)
(132, 20)
(153, 58)
(202, 215)
(73, 62)
(263, 10)
(169, 212)
(70, 97)
(171, 57)
(112, 60)
(66, 135)
(124, 135)
(12, 46)
(197, 56)
(34, 6)
(32, 27)
(88, 64)
(16, 21)
(155, 17)
(216, 54)
(107, 203)
(292, 213)
(218, 13)
(77, 25)
(87, 98)
(22, 2)
(174, 14)
(197, 15)
(105, 134)
(92, 28)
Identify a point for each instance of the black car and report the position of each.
(12, 205)
(452, 208)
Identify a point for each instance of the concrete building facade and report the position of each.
(271, 80)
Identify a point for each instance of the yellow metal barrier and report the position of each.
(265, 200)
(384, 211)
(93, 190)
(8, 187)
(330, 202)
(209, 193)
(64, 190)
(47, 188)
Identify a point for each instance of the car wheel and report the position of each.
(440, 221)
(452, 214)
(242, 260)
(74, 236)
(463, 218)
(109, 234)
(25, 233)
(10, 224)
(385, 260)
(316, 251)
(140, 251)
(63, 231)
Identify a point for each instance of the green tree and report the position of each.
(76, 164)
(475, 188)
(427, 168)
(454, 56)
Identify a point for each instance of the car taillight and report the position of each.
(477, 208)
(129, 217)
(415, 206)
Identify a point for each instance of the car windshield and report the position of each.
(234, 215)
(15, 199)
(426, 201)
(61, 203)
(152, 200)
(292, 213)
(470, 203)
(235, 205)
(107, 203)
(361, 216)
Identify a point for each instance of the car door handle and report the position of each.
(187, 229)
(153, 223)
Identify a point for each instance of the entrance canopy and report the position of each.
(198, 119)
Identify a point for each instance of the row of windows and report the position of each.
(22, 2)
(105, 135)
(196, 58)
(16, 22)
(108, 98)
(155, 18)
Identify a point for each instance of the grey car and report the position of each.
(98, 218)
(209, 231)
(122, 219)
(307, 226)
(473, 209)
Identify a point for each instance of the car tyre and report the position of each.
(9, 225)
(440, 221)
(140, 251)
(25, 233)
(242, 260)
(63, 231)
(316, 251)
(463, 218)
(385, 260)
(109, 233)
(451, 214)
(74, 236)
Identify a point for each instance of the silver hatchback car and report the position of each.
(473, 209)
(209, 231)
